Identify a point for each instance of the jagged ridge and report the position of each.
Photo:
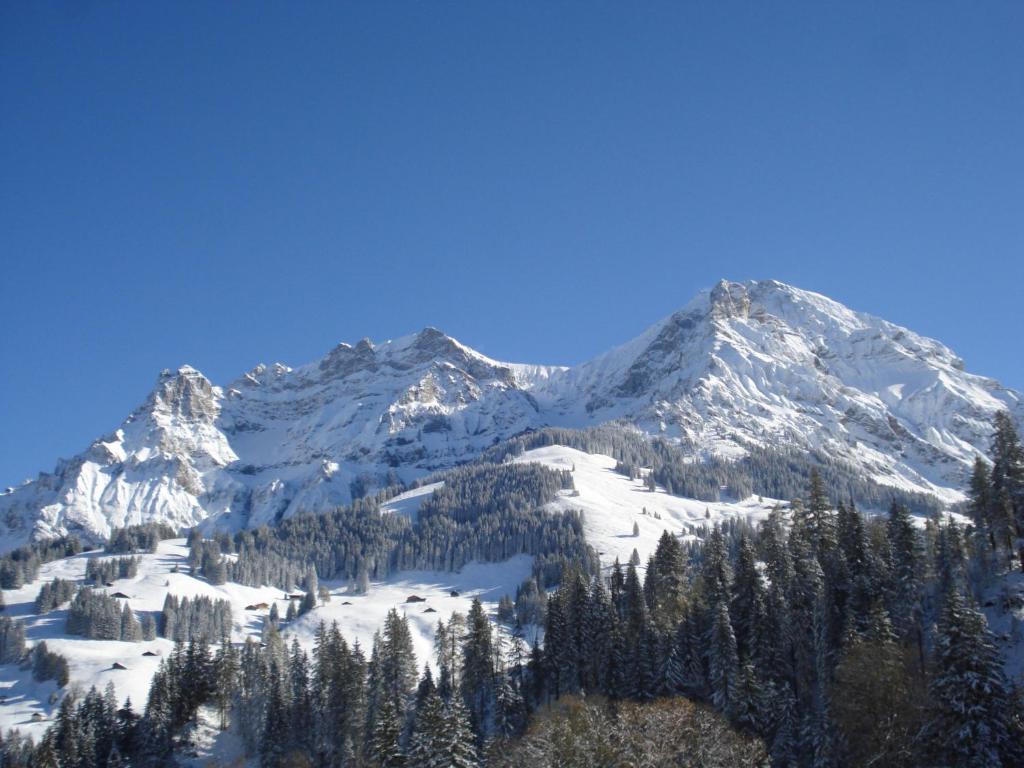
(745, 363)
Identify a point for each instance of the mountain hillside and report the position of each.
(755, 363)
(767, 364)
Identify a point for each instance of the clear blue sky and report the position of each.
(229, 183)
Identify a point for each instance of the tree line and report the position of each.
(684, 470)
(487, 513)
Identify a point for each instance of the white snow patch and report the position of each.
(611, 503)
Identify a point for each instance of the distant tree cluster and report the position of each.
(856, 643)
(54, 594)
(21, 565)
(103, 571)
(483, 512)
(683, 470)
(996, 495)
(47, 665)
(205, 558)
(139, 538)
(12, 640)
(98, 616)
(200, 619)
(88, 730)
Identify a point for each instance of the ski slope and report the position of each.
(611, 503)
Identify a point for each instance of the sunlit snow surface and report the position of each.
(358, 616)
(611, 503)
(758, 363)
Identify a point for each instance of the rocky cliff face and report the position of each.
(745, 363)
(278, 440)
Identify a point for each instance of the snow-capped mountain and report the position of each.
(745, 363)
(765, 363)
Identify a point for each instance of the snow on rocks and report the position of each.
(753, 363)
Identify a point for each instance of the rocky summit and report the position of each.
(757, 363)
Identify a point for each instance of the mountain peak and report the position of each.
(744, 364)
(729, 300)
(185, 393)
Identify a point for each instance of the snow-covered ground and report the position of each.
(358, 616)
(611, 503)
(408, 503)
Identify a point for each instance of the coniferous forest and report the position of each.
(822, 637)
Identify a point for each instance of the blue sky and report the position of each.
(229, 183)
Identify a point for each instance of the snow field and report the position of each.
(611, 503)
(358, 616)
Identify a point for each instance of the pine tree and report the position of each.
(477, 667)
(308, 602)
(225, 671)
(510, 709)
(803, 614)
(131, 630)
(950, 559)
(748, 608)
(859, 566)
(971, 723)
(723, 663)
(148, 627)
(1007, 461)
(598, 624)
(785, 736)
(716, 570)
(459, 748)
(427, 743)
(301, 708)
(667, 577)
(749, 707)
(274, 746)
(676, 681)
(1007, 486)
(559, 655)
(817, 517)
(217, 572)
(905, 567)
(979, 503)
(386, 739)
(819, 731)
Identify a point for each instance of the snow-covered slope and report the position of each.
(764, 363)
(611, 503)
(359, 616)
(757, 363)
(278, 440)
